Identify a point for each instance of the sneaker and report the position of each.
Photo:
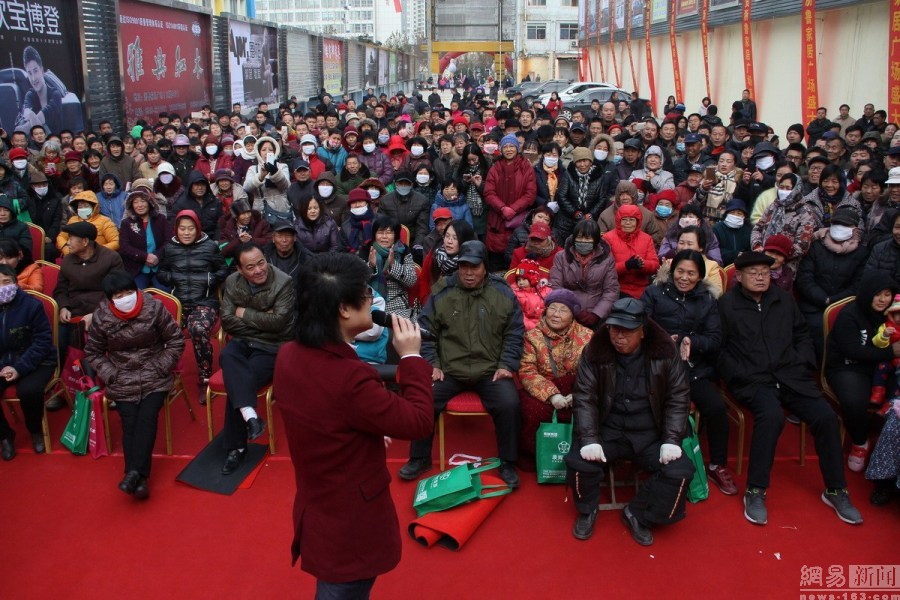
(584, 525)
(755, 506)
(724, 481)
(508, 474)
(856, 462)
(839, 500)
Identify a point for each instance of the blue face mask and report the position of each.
(663, 210)
(679, 146)
(617, 159)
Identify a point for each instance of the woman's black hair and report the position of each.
(698, 231)
(8, 271)
(303, 208)
(383, 221)
(326, 282)
(550, 147)
(833, 170)
(464, 232)
(587, 228)
(10, 248)
(691, 209)
(691, 255)
(117, 281)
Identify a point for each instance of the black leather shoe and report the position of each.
(233, 461)
(8, 447)
(255, 428)
(508, 474)
(54, 404)
(414, 468)
(37, 442)
(130, 482)
(639, 533)
(584, 525)
(142, 491)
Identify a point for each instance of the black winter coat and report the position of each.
(885, 257)
(824, 277)
(47, 212)
(596, 199)
(193, 272)
(208, 209)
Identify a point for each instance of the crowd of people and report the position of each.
(545, 253)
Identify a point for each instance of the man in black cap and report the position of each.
(631, 402)
(766, 359)
(284, 252)
(578, 135)
(479, 334)
(693, 155)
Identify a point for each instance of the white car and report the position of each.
(573, 90)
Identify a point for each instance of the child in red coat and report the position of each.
(530, 285)
(888, 333)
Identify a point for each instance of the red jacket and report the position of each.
(624, 246)
(509, 184)
(336, 412)
(205, 165)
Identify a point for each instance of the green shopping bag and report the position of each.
(457, 486)
(75, 436)
(551, 446)
(699, 488)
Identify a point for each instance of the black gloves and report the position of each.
(633, 264)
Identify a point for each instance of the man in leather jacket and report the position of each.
(631, 402)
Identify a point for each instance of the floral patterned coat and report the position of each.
(536, 372)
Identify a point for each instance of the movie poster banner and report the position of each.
(166, 55)
(637, 12)
(371, 67)
(684, 8)
(392, 61)
(41, 80)
(253, 61)
(333, 66)
(383, 67)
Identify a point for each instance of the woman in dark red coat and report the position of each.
(510, 192)
(242, 225)
(336, 413)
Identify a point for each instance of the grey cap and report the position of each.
(627, 313)
(472, 252)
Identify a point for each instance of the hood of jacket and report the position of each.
(265, 138)
(871, 284)
(189, 214)
(152, 202)
(327, 176)
(629, 210)
(7, 203)
(115, 180)
(115, 139)
(87, 196)
(197, 177)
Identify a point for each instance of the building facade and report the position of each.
(547, 39)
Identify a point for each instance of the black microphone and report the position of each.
(379, 317)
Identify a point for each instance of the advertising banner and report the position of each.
(809, 72)
(659, 13)
(747, 43)
(704, 38)
(392, 61)
(676, 67)
(894, 64)
(371, 79)
(637, 12)
(619, 15)
(383, 67)
(333, 66)
(166, 55)
(717, 4)
(684, 8)
(41, 80)
(253, 61)
(604, 16)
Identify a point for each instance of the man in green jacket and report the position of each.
(478, 332)
(258, 312)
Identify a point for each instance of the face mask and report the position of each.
(126, 303)
(359, 211)
(41, 190)
(229, 152)
(663, 210)
(383, 139)
(783, 194)
(369, 147)
(551, 161)
(308, 149)
(20, 163)
(166, 178)
(374, 193)
(422, 179)
(765, 162)
(416, 150)
(734, 221)
(600, 154)
(617, 159)
(403, 190)
(325, 191)
(212, 150)
(840, 233)
(490, 148)
(687, 221)
(679, 146)
(85, 213)
(8, 292)
(334, 145)
(584, 248)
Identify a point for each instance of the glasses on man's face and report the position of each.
(370, 294)
(757, 273)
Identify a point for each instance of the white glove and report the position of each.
(593, 452)
(668, 453)
(554, 206)
(559, 401)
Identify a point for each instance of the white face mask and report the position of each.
(308, 149)
(734, 221)
(126, 303)
(229, 152)
(765, 162)
(41, 190)
(551, 161)
(374, 193)
(600, 154)
(359, 211)
(688, 221)
(490, 148)
(85, 213)
(783, 194)
(212, 150)
(423, 179)
(20, 163)
(403, 190)
(166, 178)
(840, 233)
(325, 191)
(416, 150)
(369, 147)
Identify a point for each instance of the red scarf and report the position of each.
(134, 311)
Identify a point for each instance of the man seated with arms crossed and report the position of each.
(766, 359)
(258, 313)
(479, 337)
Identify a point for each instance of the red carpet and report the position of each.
(65, 529)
